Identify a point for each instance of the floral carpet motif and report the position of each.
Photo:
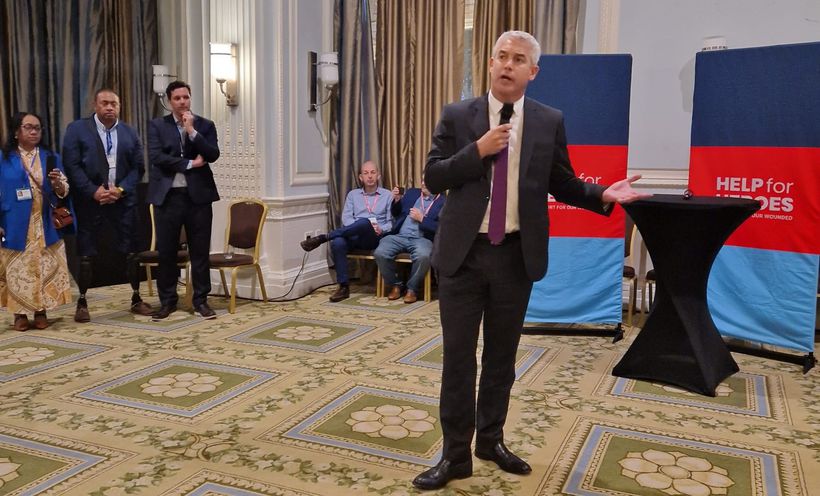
(755, 395)
(302, 334)
(431, 355)
(24, 355)
(309, 398)
(177, 387)
(609, 458)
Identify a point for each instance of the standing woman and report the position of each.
(33, 268)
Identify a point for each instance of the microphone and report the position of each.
(506, 113)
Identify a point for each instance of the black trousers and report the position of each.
(491, 284)
(176, 211)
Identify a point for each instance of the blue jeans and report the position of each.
(357, 236)
(419, 250)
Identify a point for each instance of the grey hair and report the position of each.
(535, 47)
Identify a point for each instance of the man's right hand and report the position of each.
(396, 194)
(103, 196)
(198, 162)
(494, 140)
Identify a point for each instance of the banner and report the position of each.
(756, 134)
(586, 250)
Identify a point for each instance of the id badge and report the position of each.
(23, 194)
(374, 222)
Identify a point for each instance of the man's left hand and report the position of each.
(622, 191)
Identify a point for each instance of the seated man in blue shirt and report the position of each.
(365, 219)
(416, 215)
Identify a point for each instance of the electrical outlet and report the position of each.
(308, 235)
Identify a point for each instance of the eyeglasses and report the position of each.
(29, 128)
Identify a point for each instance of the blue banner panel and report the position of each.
(756, 133)
(768, 304)
(593, 92)
(583, 282)
(766, 96)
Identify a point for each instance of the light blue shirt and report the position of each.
(410, 228)
(359, 205)
(109, 142)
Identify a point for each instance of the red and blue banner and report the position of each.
(586, 250)
(756, 134)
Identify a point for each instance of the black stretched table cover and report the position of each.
(679, 343)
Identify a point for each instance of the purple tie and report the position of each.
(498, 205)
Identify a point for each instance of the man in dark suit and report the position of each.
(104, 164)
(499, 156)
(181, 186)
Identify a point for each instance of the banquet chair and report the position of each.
(630, 274)
(150, 258)
(243, 231)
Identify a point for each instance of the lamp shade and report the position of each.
(223, 67)
(329, 68)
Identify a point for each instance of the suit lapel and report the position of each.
(480, 123)
(528, 139)
(102, 162)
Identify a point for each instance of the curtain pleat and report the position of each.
(56, 54)
(493, 17)
(355, 137)
(556, 25)
(419, 65)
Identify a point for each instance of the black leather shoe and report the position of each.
(163, 312)
(311, 244)
(205, 311)
(505, 459)
(342, 293)
(444, 471)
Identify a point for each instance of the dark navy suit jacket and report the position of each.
(167, 157)
(87, 168)
(401, 210)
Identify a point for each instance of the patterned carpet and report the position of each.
(314, 398)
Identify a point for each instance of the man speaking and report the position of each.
(499, 156)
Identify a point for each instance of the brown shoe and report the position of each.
(410, 296)
(395, 293)
(40, 320)
(141, 308)
(81, 314)
(20, 322)
(342, 293)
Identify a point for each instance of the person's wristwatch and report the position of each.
(122, 191)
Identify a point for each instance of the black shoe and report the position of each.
(163, 312)
(205, 311)
(505, 459)
(444, 471)
(342, 293)
(311, 244)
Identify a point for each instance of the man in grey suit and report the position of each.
(103, 159)
(498, 156)
(181, 186)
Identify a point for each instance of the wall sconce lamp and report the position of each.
(223, 69)
(324, 68)
(162, 79)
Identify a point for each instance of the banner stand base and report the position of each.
(558, 329)
(808, 361)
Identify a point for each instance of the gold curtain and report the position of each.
(493, 17)
(556, 25)
(419, 65)
(354, 134)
